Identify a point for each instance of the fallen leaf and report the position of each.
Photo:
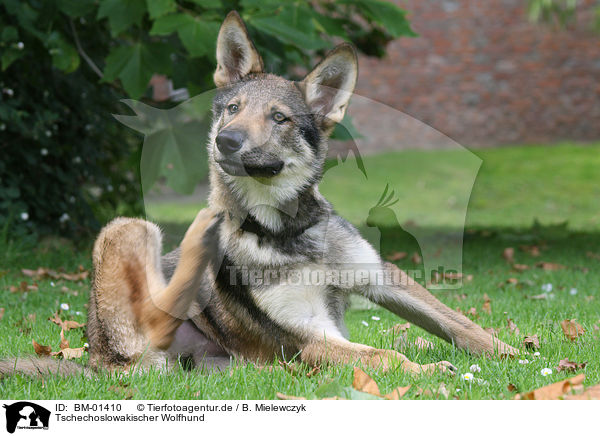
(399, 328)
(512, 281)
(43, 273)
(65, 325)
(397, 393)
(63, 342)
(314, 371)
(487, 304)
(511, 387)
(423, 344)
(512, 326)
(593, 255)
(416, 258)
(567, 365)
(520, 267)
(290, 367)
(572, 329)
(509, 254)
(532, 250)
(472, 312)
(548, 266)
(69, 353)
(450, 277)
(554, 391)
(397, 255)
(281, 396)
(531, 342)
(1, 313)
(364, 383)
(41, 350)
(537, 297)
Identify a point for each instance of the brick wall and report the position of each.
(482, 74)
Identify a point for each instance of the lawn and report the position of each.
(514, 186)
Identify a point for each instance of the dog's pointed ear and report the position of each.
(236, 54)
(329, 86)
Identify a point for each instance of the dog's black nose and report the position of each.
(229, 141)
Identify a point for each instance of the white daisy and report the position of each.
(24, 216)
(375, 318)
(475, 368)
(573, 291)
(546, 372)
(467, 376)
(64, 306)
(365, 323)
(547, 287)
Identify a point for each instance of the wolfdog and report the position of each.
(228, 291)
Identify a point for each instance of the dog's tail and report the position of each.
(41, 366)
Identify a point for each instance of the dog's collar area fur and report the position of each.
(251, 225)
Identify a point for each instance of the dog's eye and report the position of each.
(233, 108)
(278, 117)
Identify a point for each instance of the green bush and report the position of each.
(67, 165)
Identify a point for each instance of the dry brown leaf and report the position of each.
(572, 329)
(416, 258)
(487, 304)
(512, 326)
(63, 342)
(1, 313)
(567, 365)
(69, 353)
(537, 297)
(399, 328)
(364, 383)
(549, 266)
(532, 250)
(290, 367)
(65, 325)
(41, 350)
(43, 273)
(397, 393)
(397, 255)
(531, 342)
(554, 391)
(450, 277)
(591, 393)
(511, 387)
(593, 255)
(472, 312)
(288, 397)
(520, 267)
(509, 254)
(423, 344)
(313, 371)
(512, 281)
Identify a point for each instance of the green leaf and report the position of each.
(208, 4)
(76, 8)
(198, 36)
(158, 8)
(135, 65)
(10, 33)
(386, 14)
(285, 32)
(64, 55)
(9, 56)
(121, 14)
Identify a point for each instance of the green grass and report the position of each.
(515, 186)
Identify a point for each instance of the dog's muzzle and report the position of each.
(253, 163)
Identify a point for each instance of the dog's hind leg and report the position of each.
(339, 351)
(133, 312)
(411, 301)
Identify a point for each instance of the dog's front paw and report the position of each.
(444, 367)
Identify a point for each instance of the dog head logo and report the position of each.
(26, 415)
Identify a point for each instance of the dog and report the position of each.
(227, 291)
